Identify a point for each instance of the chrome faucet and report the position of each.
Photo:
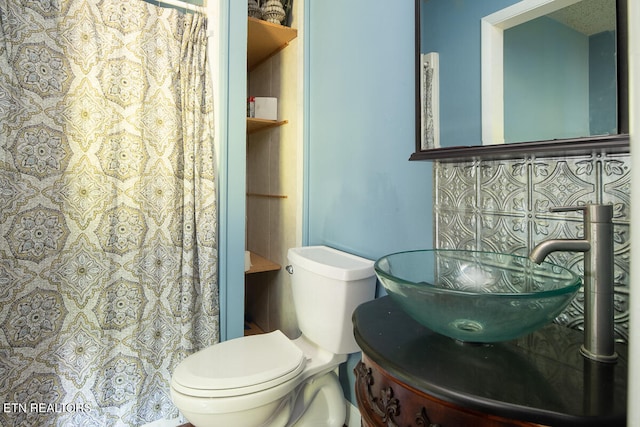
(597, 245)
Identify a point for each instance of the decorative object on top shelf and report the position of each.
(288, 7)
(254, 9)
(272, 11)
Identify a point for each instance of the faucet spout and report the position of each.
(540, 252)
(597, 245)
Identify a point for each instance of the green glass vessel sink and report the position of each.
(477, 297)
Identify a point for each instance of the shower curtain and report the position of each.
(108, 227)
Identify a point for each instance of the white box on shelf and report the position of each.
(265, 107)
(251, 107)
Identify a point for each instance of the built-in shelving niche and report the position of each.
(264, 40)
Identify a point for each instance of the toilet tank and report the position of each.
(327, 286)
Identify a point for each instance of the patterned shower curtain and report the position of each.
(108, 242)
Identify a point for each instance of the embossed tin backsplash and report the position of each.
(503, 206)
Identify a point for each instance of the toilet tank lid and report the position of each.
(330, 262)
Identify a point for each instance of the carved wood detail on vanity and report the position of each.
(384, 401)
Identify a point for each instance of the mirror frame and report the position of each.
(618, 143)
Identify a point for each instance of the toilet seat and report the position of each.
(239, 366)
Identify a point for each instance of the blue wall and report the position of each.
(363, 195)
(232, 158)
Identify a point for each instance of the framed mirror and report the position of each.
(469, 65)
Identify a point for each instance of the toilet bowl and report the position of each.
(270, 380)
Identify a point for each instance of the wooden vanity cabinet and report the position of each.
(411, 376)
(385, 401)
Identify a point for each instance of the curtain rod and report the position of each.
(183, 5)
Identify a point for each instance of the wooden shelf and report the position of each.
(256, 125)
(264, 39)
(250, 328)
(261, 265)
(267, 195)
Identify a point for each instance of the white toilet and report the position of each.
(270, 380)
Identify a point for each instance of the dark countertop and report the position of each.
(539, 378)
